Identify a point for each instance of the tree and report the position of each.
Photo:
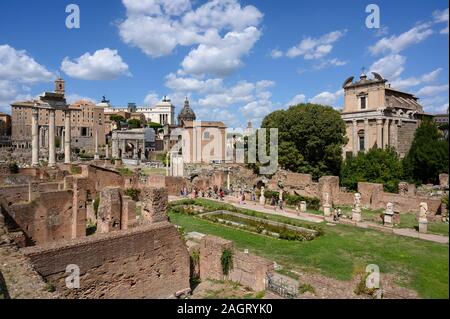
(134, 123)
(376, 166)
(310, 137)
(117, 118)
(155, 126)
(428, 155)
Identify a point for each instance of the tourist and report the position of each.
(280, 202)
(273, 203)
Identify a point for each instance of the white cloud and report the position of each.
(432, 90)
(105, 64)
(158, 34)
(327, 98)
(168, 7)
(389, 67)
(331, 62)
(151, 99)
(315, 48)
(400, 83)
(276, 54)
(435, 104)
(299, 98)
(396, 44)
(441, 16)
(18, 71)
(18, 66)
(188, 84)
(220, 57)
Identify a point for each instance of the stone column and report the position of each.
(41, 137)
(96, 156)
(386, 133)
(35, 137)
(107, 150)
(379, 133)
(228, 179)
(394, 133)
(51, 139)
(67, 137)
(355, 137)
(366, 135)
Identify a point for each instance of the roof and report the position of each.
(204, 124)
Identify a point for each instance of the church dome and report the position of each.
(186, 114)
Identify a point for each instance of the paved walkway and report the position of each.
(287, 212)
(291, 213)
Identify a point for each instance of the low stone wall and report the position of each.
(248, 270)
(145, 262)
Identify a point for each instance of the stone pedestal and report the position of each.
(262, 200)
(327, 210)
(356, 215)
(302, 207)
(96, 157)
(388, 219)
(423, 225)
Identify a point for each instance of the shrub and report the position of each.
(14, 168)
(133, 193)
(306, 288)
(226, 261)
(96, 204)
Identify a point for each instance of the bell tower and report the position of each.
(60, 86)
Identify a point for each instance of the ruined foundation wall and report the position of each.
(47, 218)
(145, 262)
(248, 270)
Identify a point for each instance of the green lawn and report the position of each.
(342, 250)
(410, 221)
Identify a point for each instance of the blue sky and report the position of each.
(236, 60)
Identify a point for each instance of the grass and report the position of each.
(436, 227)
(417, 264)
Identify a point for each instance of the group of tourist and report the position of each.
(212, 192)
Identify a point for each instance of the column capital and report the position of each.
(379, 121)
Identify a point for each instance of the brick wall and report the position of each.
(248, 270)
(146, 262)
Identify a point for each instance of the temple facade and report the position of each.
(377, 115)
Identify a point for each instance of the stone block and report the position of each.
(154, 204)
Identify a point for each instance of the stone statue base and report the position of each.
(388, 219)
(423, 225)
(262, 200)
(356, 215)
(327, 210)
(96, 157)
(302, 207)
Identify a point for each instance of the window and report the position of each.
(361, 140)
(363, 102)
(206, 136)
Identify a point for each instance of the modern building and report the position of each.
(86, 121)
(377, 115)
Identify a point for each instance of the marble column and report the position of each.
(355, 137)
(96, 156)
(51, 138)
(379, 133)
(35, 137)
(366, 135)
(386, 133)
(67, 137)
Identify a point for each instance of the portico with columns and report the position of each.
(377, 115)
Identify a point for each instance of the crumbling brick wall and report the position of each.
(45, 219)
(149, 261)
(248, 269)
(154, 204)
